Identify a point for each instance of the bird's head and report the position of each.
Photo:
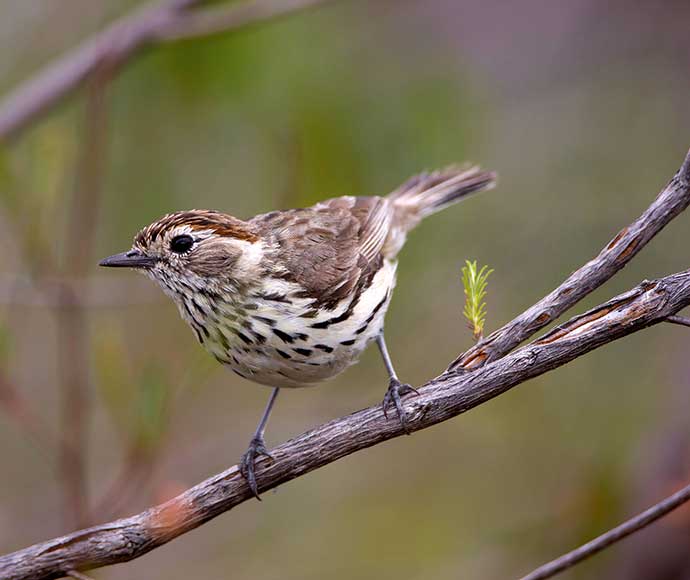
(194, 249)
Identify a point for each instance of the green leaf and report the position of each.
(475, 284)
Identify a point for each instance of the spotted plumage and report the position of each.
(292, 298)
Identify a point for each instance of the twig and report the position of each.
(439, 400)
(672, 200)
(611, 537)
(78, 575)
(204, 23)
(682, 320)
(122, 41)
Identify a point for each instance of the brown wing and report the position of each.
(331, 248)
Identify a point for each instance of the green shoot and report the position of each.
(475, 283)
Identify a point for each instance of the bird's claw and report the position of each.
(256, 449)
(397, 390)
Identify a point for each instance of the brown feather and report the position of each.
(331, 248)
(221, 223)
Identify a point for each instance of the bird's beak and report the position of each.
(130, 259)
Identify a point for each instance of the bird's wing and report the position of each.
(331, 248)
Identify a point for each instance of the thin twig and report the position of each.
(78, 575)
(122, 41)
(682, 320)
(204, 23)
(439, 400)
(611, 537)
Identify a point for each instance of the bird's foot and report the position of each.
(397, 390)
(257, 448)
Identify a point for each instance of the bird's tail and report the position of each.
(427, 193)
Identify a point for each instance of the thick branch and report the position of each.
(442, 398)
(611, 537)
(122, 41)
(672, 200)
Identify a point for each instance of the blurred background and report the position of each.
(107, 403)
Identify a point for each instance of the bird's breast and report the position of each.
(276, 337)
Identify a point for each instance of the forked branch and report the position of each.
(670, 202)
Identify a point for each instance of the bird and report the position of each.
(291, 298)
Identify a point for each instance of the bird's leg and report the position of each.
(257, 447)
(396, 389)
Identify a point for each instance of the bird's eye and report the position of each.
(181, 244)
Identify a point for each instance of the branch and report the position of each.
(672, 200)
(611, 537)
(444, 397)
(124, 40)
